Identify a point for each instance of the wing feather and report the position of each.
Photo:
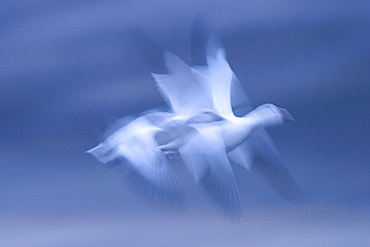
(135, 149)
(174, 78)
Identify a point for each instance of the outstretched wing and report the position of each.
(269, 165)
(220, 183)
(174, 78)
(205, 157)
(212, 69)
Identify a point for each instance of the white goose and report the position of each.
(202, 126)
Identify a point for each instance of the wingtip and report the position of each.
(90, 151)
(151, 52)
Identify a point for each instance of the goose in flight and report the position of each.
(201, 127)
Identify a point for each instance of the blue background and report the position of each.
(67, 66)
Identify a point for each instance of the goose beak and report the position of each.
(287, 117)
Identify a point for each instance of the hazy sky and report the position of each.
(68, 66)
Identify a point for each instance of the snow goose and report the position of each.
(257, 152)
(202, 126)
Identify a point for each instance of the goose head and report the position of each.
(271, 115)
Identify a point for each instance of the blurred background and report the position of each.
(68, 66)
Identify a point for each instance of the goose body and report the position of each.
(201, 126)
